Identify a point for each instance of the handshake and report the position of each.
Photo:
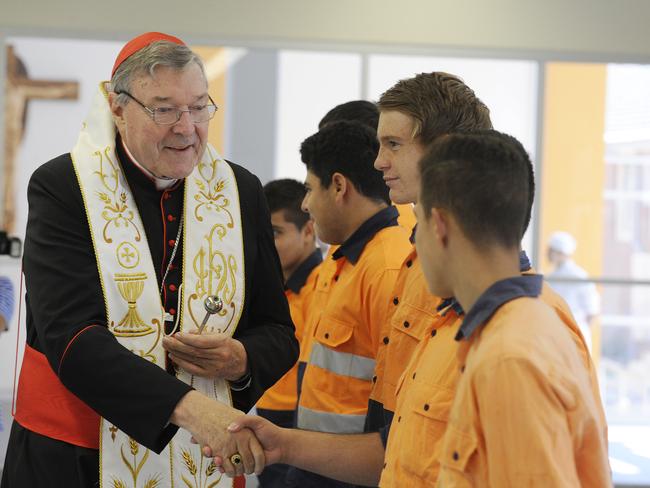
(239, 444)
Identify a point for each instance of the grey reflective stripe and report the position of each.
(330, 422)
(342, 363)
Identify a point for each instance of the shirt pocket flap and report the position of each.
(431, 401)
(457, 449)
(333, 332)
(411, 320)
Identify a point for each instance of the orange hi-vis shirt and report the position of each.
(524, 413)
(299, 291)
(406, 215)
(337, 378)
(318, 299)
(424, 396)
(432, 374)
(414, 310)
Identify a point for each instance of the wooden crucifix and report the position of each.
(19, 90)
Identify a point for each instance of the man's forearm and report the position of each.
(352, 458)
(193, 409)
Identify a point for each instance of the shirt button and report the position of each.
(170, 218)
(336, 278)
(172, 311)
(426, 407)
(434, 332)
(399, 419)
(171, 242)
(409, 263)
(406, 324)
(327, 335)
(455, 456)
(462, 368)
(395, 301)
(413, 375)
(385, 340)
(374, 379)
(172, 287)
(384, 465)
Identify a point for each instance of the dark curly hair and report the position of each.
(349, 148)
(287, 195)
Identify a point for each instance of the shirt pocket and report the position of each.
(458, 448)
(424, 428)
(333, 332)
(411, 321)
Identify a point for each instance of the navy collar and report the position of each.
(354, 245)
(299, 277)
(412, 238)
(524, 262)
(496, 295)
(448, 303)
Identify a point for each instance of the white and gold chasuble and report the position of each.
(213, 264)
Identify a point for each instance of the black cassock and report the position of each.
(63, 297)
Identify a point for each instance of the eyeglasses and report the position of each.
(171, 115)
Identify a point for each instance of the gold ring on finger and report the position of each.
(235, 459)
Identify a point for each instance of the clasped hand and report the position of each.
(207, 355)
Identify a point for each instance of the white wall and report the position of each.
(48, 59)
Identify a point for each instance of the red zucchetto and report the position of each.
(137, 43)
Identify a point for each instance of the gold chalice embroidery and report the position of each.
(130, 287)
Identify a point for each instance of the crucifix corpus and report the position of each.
(19, 90)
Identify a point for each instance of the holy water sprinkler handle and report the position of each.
(213, 304)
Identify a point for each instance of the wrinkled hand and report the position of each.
(207, 420)
(207, 355)
(268, 434)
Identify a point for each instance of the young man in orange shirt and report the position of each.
(349, 203)
(524, 413)
(300, 259)
(413, 113)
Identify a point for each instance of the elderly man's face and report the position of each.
(166, 150)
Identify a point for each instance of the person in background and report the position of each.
(6, 302)
(6, 313)
(295, 242)
(583, 298)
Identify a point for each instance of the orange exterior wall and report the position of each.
(573, 156)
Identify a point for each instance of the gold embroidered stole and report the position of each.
(213, 264)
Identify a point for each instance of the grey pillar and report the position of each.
(251, 118)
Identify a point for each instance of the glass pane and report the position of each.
(624, 367)
(596, 167)
(627, 182)
(310, 83)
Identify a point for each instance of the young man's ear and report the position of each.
(440, 221)
(308, 229)
(340, 185)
